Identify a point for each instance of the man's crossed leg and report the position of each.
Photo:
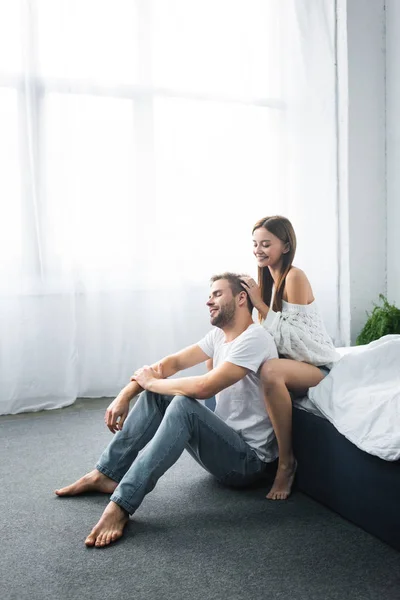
(156, 432)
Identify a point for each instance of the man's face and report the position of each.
(221, 303)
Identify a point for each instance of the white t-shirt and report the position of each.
(241, 405)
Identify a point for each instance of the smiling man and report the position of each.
(235, 443)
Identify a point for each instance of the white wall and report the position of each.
(393, 148)
(362, 164)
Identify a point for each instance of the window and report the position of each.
(135, 130)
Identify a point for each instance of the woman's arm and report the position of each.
(263, 309)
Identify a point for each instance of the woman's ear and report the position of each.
(287, 248)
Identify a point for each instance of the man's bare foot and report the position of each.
(109, 528)
(92, 482)
(284, 478)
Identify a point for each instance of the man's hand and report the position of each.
(146, 375)
(116, 414)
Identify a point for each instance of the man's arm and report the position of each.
(118, 410)
(201, 387)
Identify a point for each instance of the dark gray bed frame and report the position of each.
(361, 487)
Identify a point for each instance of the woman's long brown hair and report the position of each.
(282, 228)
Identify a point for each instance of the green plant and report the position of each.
(382, 321)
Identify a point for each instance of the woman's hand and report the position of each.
(254, 291)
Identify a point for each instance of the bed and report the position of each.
(363, 488)
(346, 437)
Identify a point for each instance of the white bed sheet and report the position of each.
(361, 397)
(305, 403)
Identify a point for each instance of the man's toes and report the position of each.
(68, 490)
(100, 541)
(91, 539)
(115, 535)
(104, 541)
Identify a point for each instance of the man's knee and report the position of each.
(148, 400)
(180, 406)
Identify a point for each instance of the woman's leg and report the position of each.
(278, 376)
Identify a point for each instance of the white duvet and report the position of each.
(361, 396)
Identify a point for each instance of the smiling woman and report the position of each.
(298, 330)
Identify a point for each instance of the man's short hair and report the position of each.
(235, 284)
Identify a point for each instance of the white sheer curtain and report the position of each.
(140, 141)
(312, 150)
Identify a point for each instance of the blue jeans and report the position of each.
(154, 435)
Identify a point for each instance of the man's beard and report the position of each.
(225, 315)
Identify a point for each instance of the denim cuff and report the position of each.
(108, 473)
(118, 500)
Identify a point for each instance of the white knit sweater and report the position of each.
(300, 333)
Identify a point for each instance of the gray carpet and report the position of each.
(191, 538)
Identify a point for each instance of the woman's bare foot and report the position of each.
(109, 528)
(92, 482)
(284, 478)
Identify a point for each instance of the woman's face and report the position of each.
(267, 248)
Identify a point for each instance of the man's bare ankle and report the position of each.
(101, 475)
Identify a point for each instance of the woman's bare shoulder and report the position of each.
(297, 287)
(296, 274)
